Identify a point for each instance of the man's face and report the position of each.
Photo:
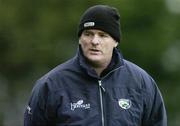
(97, 46)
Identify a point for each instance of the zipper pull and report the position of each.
(100, 85)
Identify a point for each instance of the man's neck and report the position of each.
(99, 71)
(100, 68)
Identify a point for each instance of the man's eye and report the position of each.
(87, 33)
(103, 35)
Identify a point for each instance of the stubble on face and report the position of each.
(97, 47)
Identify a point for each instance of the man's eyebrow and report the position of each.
(101, 32)
(86, 30)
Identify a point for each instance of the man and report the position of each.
(97, 87)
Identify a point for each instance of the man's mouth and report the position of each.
(95, 51)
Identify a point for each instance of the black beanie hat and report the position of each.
(101, 17)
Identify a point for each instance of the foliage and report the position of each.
(35, 36)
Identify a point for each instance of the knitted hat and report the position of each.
(101, 17)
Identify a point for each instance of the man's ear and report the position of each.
(79, 42)
(116, 44)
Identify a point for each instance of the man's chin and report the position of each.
(95, 61)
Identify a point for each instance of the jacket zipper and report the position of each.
(101, 90)
(101, 102)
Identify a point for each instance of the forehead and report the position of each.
(95, 31)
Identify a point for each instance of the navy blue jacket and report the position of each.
(73, 95)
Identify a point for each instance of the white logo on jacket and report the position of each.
(79, 104)
(124, 103)
(29, 109)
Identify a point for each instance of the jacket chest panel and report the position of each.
(121, 106)
(78, 105)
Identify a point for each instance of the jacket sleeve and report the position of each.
(154, 108)
(36, 112)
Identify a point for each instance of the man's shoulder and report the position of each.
(139, 74)
(133, 67)
(137, 71)
(68, 65)
(58, 72)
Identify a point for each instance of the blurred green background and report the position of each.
(37, 35)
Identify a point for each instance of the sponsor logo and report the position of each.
(29, 109)
(89, 24)
(79, 105)
(124, 103)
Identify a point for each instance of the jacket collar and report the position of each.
(116, 62)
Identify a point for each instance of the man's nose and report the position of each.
(95, 40)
